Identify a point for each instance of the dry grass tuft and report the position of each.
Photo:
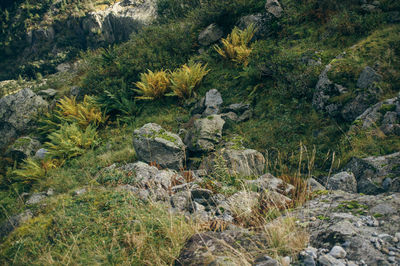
(152, 85)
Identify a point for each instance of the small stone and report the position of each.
(286, 260)
(391, 253)
(395, 239)
(392, 259)
(385, 250)
(385, 237)
(80, 191)
(50, 192)
(338, 252)
(36, 198)
(328, 260)
(397, 235)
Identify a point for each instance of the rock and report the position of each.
(48, 94)
(154, 144)
(241, 204)
(237, 108)
(118, 22)
(75, 91)
(274, 7)
(205, 134)
(338, 252)
(23, 148)
(325, 90)
(244, 162)
(80, 191)
(265, 260)
(13, 222)
(269, 182)
(212, 248)
(314, 185)
(181, 200)
(231, 116)
(385, 114)
(343, 181)
(41, 153)
(210, 35)
(328, 260)
(36, 198)
(346, 219)
(262, 22)
(370, 173)
(17, 112)
(213, 101)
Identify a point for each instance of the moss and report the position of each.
(387, 108)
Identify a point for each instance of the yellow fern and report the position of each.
(152, 85)
(235, 46)
(186, 79)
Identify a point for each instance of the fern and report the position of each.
(34, 170)
(152, 85)
(71, 141)
(235, 46)
(186, 79)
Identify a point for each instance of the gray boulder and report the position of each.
(270, 182)
(368, 78)
(48, 94)
(205, 134)
(154, 144)
(347, 220)
(243, 162)
(13, 222)
(343, 181)
(371, 173)
(212, 103)
(222, 248)
(118, 22)
(156, 183)
(17, 112)
(262, 22)
(385, 114)
(314, 185)
(210, 35)
(326, 90)
(274, 7)
(23, 148)
(41, 153)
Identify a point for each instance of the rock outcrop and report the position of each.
(153, 144)
(17, 112)
(23, 148)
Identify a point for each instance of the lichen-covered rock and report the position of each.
(347, 220)
(154, 144)
(156, 182)
(212, 102)
(221, 248)
(270, 182)
(13, 222)
(371, 173)
(116, 23)
(274, 7)
(367, 78)
(23, 148)
(343, 181)
(262, 22)
(314, 185)
(16, 114)
(326, 90)
(210, 35)
(243, 162)
(385, 114)
(205, 134)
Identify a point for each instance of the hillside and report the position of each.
(188, 132)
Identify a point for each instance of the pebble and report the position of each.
(374, 234)
(391, 253)
(397, 235)
(395, 239)
(392, 259)
(385, 250)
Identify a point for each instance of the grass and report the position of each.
(99, 227)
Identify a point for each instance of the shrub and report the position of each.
(71, 141)
(152, 85)
(235, 46)
(185, 80)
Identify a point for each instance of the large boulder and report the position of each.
(376, 175)
(244, 162)
(385, 114)
(270, 182)
(205, 134)
(154, 144)
(116, 23)
(274, 7)
(210, 35)
(17, 112)
(150, 181)
(327, 93)
(222, 248)
(343, 181)
(348, 220)
(22, 148)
